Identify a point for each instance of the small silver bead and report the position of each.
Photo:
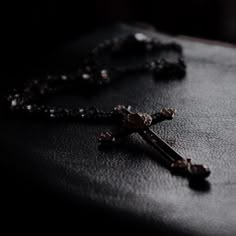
(85, 76)
(13, 103)
(129, 108)
(29, 107)
(104, 74)
(141, 37)
(64, 77)
(152, 65)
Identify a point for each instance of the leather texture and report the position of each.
(61, 168)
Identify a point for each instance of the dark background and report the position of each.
(35, 28)
(32, 30)
(53, 22)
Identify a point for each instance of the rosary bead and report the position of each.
(140, 37)
(104, 74)
(86, 76)
(14, 103)
(64, 77)
(164, 69)
(105, 78)
(106, 138)
(29, 107)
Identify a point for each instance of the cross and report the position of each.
(140, 123)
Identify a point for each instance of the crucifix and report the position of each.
(140, 123)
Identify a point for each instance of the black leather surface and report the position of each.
(59, 168)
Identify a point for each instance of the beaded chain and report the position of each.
(28, 100)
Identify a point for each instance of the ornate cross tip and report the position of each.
(193, 171)
(168, 113)
(107, 138)
(121, 108)
(137, 121)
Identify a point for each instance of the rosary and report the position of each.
(28, 101)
